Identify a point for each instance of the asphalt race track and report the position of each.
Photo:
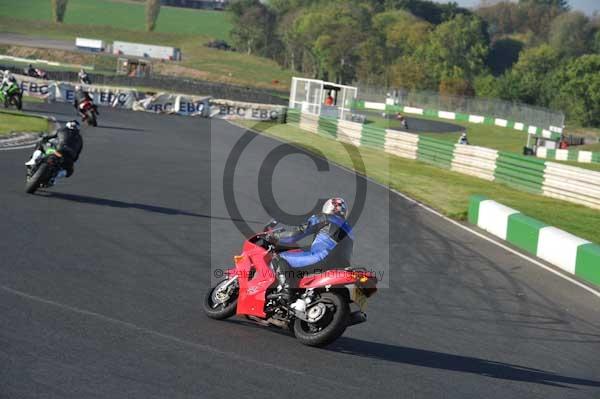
(102, 278)
(419, 125)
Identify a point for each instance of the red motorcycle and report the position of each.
(88, 112)
(321, 310)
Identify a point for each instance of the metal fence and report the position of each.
(514, 111)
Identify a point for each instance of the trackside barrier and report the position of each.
(525, 173)
(572, 254)
(569, 155)
(529, 174)
(163, 103)
(572, 184)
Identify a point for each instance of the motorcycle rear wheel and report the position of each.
(223, 310)
(330, 327)
(18, 102)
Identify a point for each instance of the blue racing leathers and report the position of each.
(332, 244)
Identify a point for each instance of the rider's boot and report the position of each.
(34, 157)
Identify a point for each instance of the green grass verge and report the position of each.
(198, 61)
(446, 191)
(495, 137)
(11, 122)
(123, 15)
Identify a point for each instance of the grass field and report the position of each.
(11, 122)
(442, 189)
(186, 29)
(123, 15)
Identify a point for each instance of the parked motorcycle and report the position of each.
(13, 96)
(89, 112)
(327, 302)
(46, 167)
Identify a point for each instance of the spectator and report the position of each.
(329, 100)
(563, 144)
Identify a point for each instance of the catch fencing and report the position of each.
(529, 174)
(176, 84)
(491, 108)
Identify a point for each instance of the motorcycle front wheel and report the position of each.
(38, 177)
(332, 312)
(221, 303)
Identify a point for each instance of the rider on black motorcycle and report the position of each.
(331, 247)
(69, 144)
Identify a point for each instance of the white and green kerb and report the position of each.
(564, 250)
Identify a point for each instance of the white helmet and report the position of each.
(335, 206)
(77, 88)
(6, 73)
(72, 125)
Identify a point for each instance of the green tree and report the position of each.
(430, 11)
(457, 48)
(331, 36)
(503, 18)
(562, 5)
(527, 79)
(576, 89)
(59, 9)
(571, 34)
(152, 11)
(253, 26)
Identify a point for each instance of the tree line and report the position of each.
(538, 52)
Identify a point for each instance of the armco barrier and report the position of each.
(566, 251)
(530, 174)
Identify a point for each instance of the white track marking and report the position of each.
(20, 147)
(202, 347)
(446, 218)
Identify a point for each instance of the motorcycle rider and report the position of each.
(30, 71)
(79, 96)
(463, 139)
(7, 80)
(69, 144)
(83, 77)
(331, 246)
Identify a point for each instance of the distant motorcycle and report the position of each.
(13, 96)
(36, 73)
(45, 169)
(89, 112)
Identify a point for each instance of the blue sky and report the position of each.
(587, 6)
